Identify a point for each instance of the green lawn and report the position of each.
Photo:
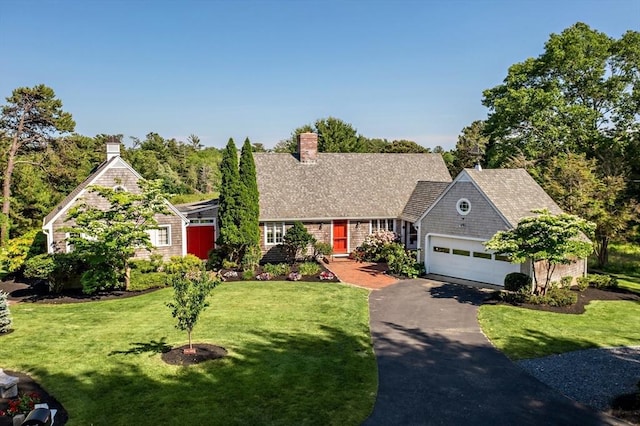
(524, 333)
(299, 353)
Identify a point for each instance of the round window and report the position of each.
(463, 206)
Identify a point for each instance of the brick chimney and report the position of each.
(113, 148)
(308, 147)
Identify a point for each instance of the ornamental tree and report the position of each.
(552, 239)
(108, 237)
(249, 226)
(296, 240)
(190, 291)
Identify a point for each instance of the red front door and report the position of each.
(339, 236)
(200, 239)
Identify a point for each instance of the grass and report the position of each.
(624, 264)
(299, 353)
(524, 333)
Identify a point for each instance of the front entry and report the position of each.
(340, 237)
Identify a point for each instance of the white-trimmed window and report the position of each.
(382, 225)
(273, 233)
(161, 236)
(463, 206)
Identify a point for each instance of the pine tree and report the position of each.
(228, 211)
(249, 198)
(5, 315)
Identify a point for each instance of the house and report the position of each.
(169, 239)
(469, 211)
(341, 197)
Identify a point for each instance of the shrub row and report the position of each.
(597, 281)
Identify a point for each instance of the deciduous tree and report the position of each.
(548, 238)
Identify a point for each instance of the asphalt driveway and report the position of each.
(437, 368)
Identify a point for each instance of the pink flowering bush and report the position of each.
(326, 275)
(372, 249)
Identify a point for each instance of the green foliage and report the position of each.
(598, 281)
(566, 281)
(372, 248)
(109, 237)
(308, 268)
(248, 274)
(142, 266)
(229, 213)
(276, 269)
(470, 148)
(251, 258)
(17, 250)
(400, 261)
(248, 203)
(28, 122)
(517, 281)
(5, 315)
(40, 266)
(582, 283)
(146, 280)
(322, 249)
(296, 240)
(552, 239)
(555, 297)
(190, 291)
(228, 264)
(182, 264)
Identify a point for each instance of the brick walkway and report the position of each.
(366, 275)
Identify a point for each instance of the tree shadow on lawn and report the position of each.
(326, 378)
(429, 378)
(152, 347)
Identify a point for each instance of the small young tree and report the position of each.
(190, 291)
(5, 315)
(548, 238)
(296, 240)
(108, 237)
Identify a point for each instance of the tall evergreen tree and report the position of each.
(249, 198)
(229, 208)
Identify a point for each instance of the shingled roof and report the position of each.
(513, 192)
(342, 185)
(423, 196)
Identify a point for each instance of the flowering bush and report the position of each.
(326, 275)
(23, 404)
(230, 274)
(372, 249)
(294, 276)
(265, 276)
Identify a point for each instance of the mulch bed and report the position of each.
(627, 408)
(27, 385)
(305, 278)
(204, 352)
(584, 297)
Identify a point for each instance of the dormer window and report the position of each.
(463, 206)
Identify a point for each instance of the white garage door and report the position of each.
(468, 259)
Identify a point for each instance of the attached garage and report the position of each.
(465, 258)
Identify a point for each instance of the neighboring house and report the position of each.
(476, 205)
(170, 239)
(340, 197)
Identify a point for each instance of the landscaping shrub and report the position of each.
(566, 281)
(309, 268)
(401, 261)
(322, 249)
(516, 281)
(229, 264)
(515, 297)
(99, 277)
(555, 297)
(216, 258)
(599, 281)
(18, 250)
(61, 270)
(251, 258)
(146, 280)
(182, 264)
(296, 241)
(265, 276)
(276, 269)
(374, 244)
(583, 283)
(142, 266)
(294, 276)
(246, 275)
(5, 314)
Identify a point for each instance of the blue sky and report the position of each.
(218, 69)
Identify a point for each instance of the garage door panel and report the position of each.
(455, 257)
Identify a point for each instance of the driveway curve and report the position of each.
(435, 366)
